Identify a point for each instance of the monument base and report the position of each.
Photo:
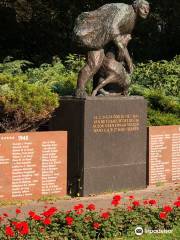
(106, 143)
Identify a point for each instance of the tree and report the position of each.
(38, 29)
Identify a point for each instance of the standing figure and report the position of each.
(94, 30)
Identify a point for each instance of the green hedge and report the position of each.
(24, 105)
(162, 75)
(159, 83)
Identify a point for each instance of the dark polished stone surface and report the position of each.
(106, 142)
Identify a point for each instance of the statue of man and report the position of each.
(94, 30)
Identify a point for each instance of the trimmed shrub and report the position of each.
(159, 83)
(60, 77)
(24, 105)
(162, 75)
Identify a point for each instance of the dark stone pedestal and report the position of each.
(106, 143)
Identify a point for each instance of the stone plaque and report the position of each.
(33, 165)
(106, 144)
(164, 154)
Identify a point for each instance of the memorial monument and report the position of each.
(103, 30)
(106, 131)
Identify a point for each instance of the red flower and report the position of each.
(49, 212)
(91, 207)
(177, 203)
(167, 208)
(79, 211)
(22, 227)
(17, 225)
(131, 197)
(9, 231)
(47, 221)
(105, 215)
(79, 206)
(69, 220)
(14, 223)
(5, 214)
(36, 217)
(162, 215)
(145, 202)
(115, 202)
(152, 202)
(76, 207)
(117, 197)
(18, 211)
(25, 228)
(129, 208)
(136, 203)
(31, 214)
(96, 225)
(178, 198)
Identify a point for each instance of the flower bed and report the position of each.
(85, 222)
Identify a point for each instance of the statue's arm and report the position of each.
(123, 53)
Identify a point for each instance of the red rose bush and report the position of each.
(85, 222)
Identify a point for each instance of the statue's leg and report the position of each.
(94, 61)
(110, 79)
(100, 91)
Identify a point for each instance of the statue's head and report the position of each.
(141, 7)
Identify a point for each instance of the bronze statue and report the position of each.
(108, 24)
(113, 71)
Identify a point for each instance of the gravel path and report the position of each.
(165, 194)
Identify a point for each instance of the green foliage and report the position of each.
(13, 67)
(61, 78)
(161, 75)
(157, 118)
(24, 105)
(29, 95)
(159, 83)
